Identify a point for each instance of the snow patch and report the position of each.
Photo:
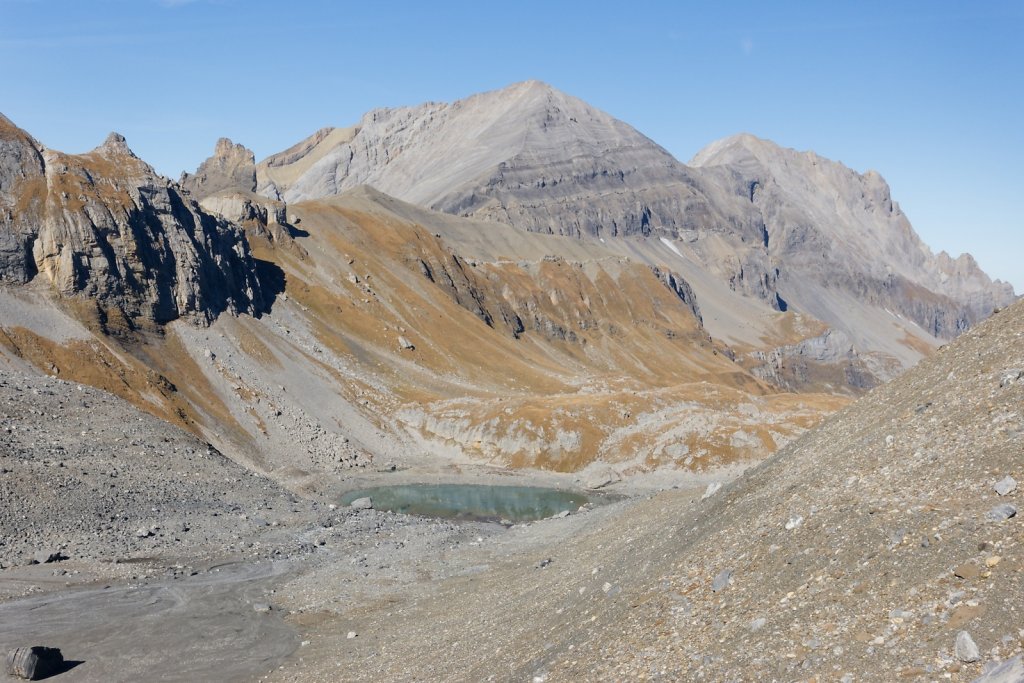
(668, 243)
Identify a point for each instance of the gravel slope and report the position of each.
(861, 552)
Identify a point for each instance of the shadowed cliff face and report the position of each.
(104, 228)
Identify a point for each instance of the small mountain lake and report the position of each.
(471, 501)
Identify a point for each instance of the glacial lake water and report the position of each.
(471, 501)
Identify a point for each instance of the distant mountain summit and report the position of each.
(830, 231)
(789, 230)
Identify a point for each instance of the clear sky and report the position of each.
(930, 94)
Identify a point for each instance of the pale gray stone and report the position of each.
(232, 167)
(966, 649)
(1005, 486)
(1002, 512)
(721, 580)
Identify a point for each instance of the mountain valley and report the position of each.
(799, 412)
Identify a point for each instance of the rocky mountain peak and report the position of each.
(115, 145)
(227, 150)
(787, 228)
(232, 167)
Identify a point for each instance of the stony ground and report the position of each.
(883, 546)
(878, 547)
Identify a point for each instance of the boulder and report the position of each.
(34, 663)
(1010, 671)
(47, 556)
(966, 649)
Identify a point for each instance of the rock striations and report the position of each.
(790, 229)
(830, 228)
(104, 228)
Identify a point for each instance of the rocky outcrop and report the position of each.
(828, 227)
(829, 358)
(266, 217)
(104, 227)
(21, 173)
(232, 167)
(680, 287)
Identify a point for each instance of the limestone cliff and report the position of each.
(828, 227)
(103, 227)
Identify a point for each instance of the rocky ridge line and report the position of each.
(104, 230)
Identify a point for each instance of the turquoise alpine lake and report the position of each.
(471, 501)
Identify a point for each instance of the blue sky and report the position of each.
(930, 94)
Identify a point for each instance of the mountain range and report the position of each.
(514, 288)
(516, 276)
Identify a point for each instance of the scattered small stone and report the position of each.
(351, 635)
(992, 561)
(544, 563)
(34, 663)
(967, 571)
(562, 514)
(143, 533)
(600, 478)
(757, 624)
(261, 607)
(1001, 513)
(361, 504)
(406, 344)
(711, 490)
(794, 522)
(966, 650)
(722, 580)
(1005, 486)
(1011, 376)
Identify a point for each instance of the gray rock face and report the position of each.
(106, 227)
(232, 167)
(827, 226)
(791, 229)
(796, 365)
(21, 169)
(680, 287)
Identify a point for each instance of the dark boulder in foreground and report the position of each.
(34, 663)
